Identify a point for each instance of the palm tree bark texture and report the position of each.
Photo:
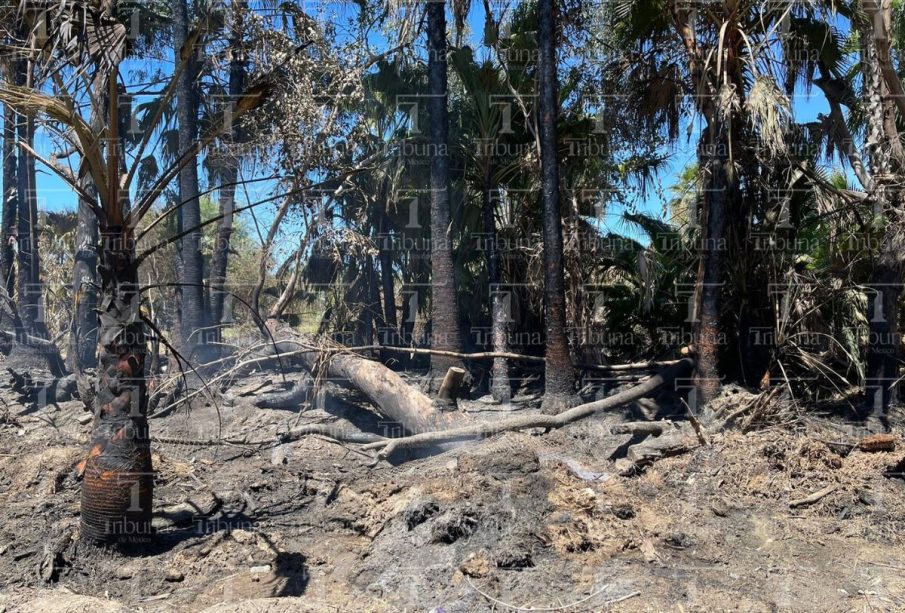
(559, 376)
(445, 333)
(117, 489)
(193, 320)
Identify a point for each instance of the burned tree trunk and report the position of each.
(445, 333)
(118, 481)
(559, 376)
(8, 233)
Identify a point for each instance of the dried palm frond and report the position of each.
(770, 113)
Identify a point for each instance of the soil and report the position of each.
(530, 520)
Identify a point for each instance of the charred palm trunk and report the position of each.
(10, 180)
(193, 320)
(84, 273)
(230, 175)
(707, 336)
(29, 279)
(500, 387)
(117, 489)
(559, 377)
(84, 282)
(444, 314)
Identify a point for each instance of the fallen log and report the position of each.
(387, 447)
(385, 389)
(668, 439)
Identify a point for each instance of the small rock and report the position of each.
(242, 536)
(476, 565)
(719, 507)
(263, 568)
(125, 572)
(648, 552)
(85, 418)
(174, 576)
(280, 455)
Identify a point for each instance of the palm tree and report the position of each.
(117, 486)
(884, 106)
(445, 328)
(192, 320)
(8, 232)
(483, 119)
(559, 377)
(84, 270)
(230, 167)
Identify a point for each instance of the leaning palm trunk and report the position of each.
(118, 478)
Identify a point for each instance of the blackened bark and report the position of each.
(707, 336)
(500, 388)
(444, 312)
(10, 200)
(84, 273)
(193, 320)
(30, 295)
(230, 173)
(559, 376)
(117, 489)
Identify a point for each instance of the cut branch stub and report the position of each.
(118, 478)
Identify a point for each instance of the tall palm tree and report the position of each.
(445, 328)
(192, 319)
(230, 171)
(84, 269)
(884, 107)
(483, 84)
(8, 232)
(559, 376)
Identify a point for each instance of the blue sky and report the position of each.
(55, 195)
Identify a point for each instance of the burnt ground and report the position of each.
(518, 520)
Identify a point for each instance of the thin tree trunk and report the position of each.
(265, 255)
(500, 387)
(390, 336)
(559, 377)
(230, 173)
(10, 201)
(117, 489)
(193, 320)
(84, 273)
(445, 333)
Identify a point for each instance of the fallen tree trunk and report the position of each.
(644, 388)
(386, 390)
